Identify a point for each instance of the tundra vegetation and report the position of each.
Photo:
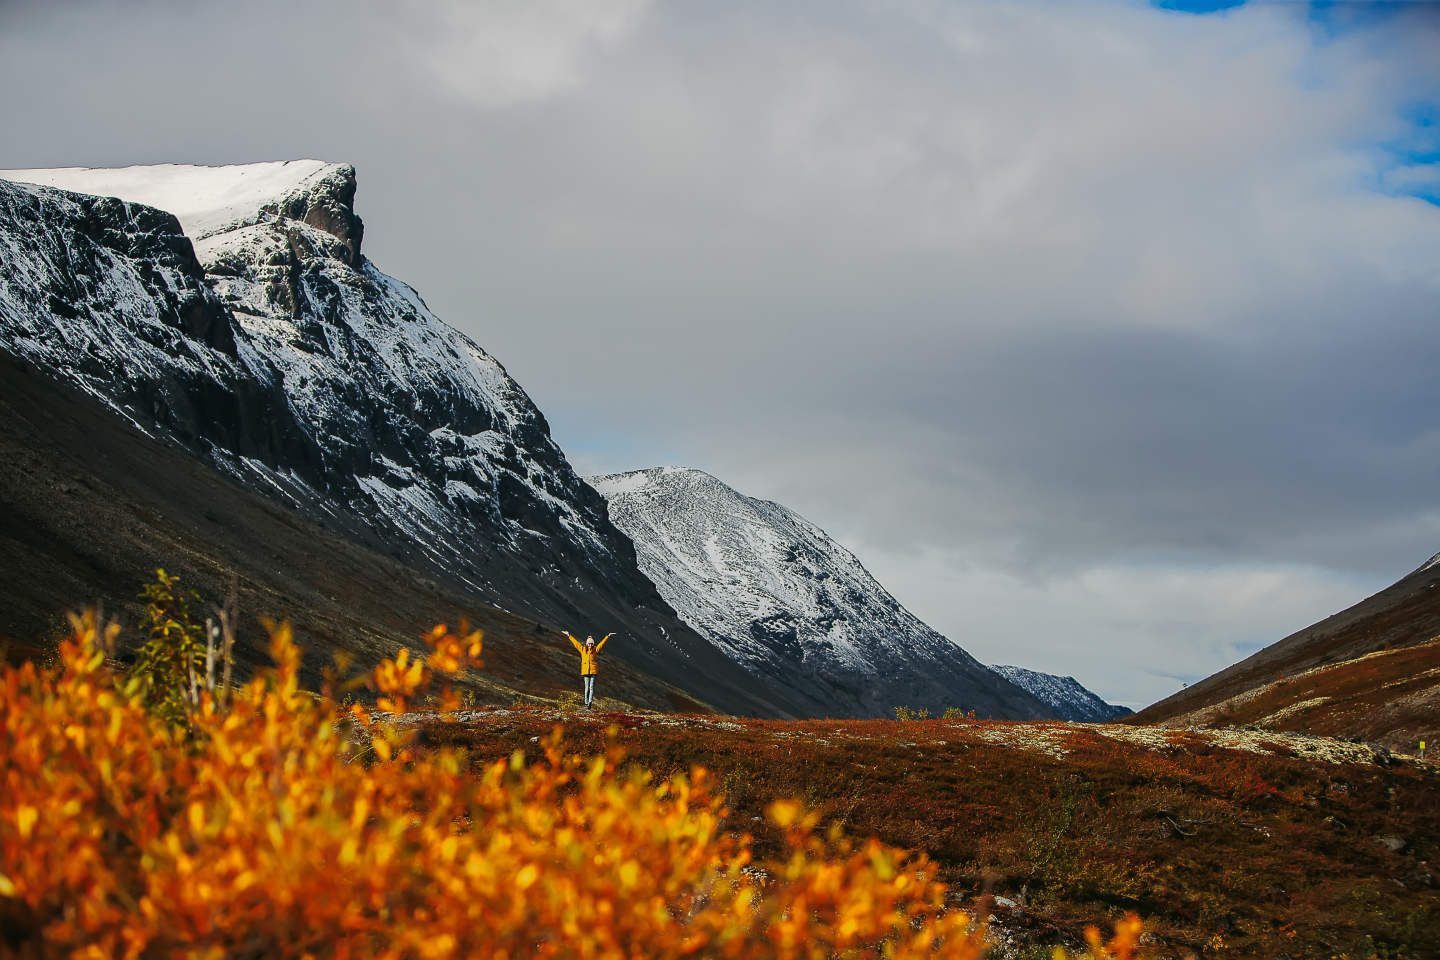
(1240, 843)
(154, 812)
(384, 815)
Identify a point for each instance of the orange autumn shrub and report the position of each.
(281, 827)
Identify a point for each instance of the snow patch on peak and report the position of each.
(620, 483)
(206, 200)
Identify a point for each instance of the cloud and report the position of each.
(505, 52)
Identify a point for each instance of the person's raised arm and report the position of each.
(602, 642)
(576, 643)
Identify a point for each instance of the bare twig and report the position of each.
(212, 632)
(228, 617)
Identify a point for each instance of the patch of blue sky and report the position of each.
(1410, 164)
(1406, 164)
(1197, 6)
(1331, 17)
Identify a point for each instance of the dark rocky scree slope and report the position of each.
(289, 363)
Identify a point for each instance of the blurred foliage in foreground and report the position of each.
(274, 823)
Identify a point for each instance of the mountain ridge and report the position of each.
(792, 606)
(1070, 700)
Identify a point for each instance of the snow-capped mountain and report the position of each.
(1064, 695)
(792, 606)
(246, 326)
(384, 405)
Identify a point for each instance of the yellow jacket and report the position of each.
(587, 656)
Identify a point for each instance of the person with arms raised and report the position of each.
(589, 657)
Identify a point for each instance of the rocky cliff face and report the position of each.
(249, 329)
(110, 296)
(792, 606)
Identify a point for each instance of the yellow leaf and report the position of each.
(629, 873)
(784, 812)
(25, 817)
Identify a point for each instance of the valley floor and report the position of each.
(1228, 842)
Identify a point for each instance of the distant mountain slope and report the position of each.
(1064, 695)
(792, 606)
(266, 344)
(1371, 671)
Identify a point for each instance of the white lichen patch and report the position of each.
(1266, 742)
(1293, 709)
(1049, 739)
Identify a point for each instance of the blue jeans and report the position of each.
(589, 679)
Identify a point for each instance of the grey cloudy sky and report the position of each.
(1104, 334)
